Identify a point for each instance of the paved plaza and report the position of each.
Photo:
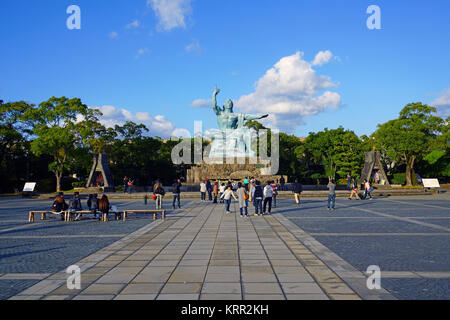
(200, 252)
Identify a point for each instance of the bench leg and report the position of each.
(125, 216)
(31, 217)
(155, 216)
(164, 215)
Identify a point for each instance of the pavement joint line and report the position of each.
(420, 204)
(430, 225)
(301, 262)
(337, 234)
(267, 256)
(183, 214)
(118, 245)
(210, 257)
(358, 284)
(194, 219)
(66, 236)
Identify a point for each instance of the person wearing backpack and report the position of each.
(75, 205)
(257, 196)
(367, 190)
(268, 194)
(159, 192)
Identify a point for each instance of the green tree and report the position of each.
(61, 125)
(408, 139)
(338, 150)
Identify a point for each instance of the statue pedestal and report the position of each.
(240, 169)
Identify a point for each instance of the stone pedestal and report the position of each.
(242, 168)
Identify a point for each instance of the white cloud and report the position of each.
(134, 24)
(442, 104)
(289, 92)
(322, 57)
(140, 53)
(158, 125)
(113, 35)
(194, 46)
(201, 103)
(171, 13)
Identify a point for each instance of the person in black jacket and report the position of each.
(59, 205)
(159, 192)
(297, 189)
(75, 205)
(176, 190)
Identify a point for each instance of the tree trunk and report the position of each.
(58, 181)
(409, 170)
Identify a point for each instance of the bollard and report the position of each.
(145, 199)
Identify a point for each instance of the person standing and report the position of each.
(159, 192)
(367, 190)
(331, 194)
(297, 189)
(125, 184)
(130, 186)
(349, 181)
(203, 190)
(257, 196)
(75, 205)
(275, 193)
(246, 182)
(209, 189)
(215, 191)
(221, 191)
(243, 199)
(176, 190)
(282, 181)
(227, 197)
(104, 206)
(268, 194)
(354, 188)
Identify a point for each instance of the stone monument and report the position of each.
(100, 176)
(233, 141)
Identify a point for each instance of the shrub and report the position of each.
(399, 178)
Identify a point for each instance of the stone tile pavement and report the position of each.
(203, 253)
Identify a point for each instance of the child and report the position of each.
(227, 197)
(368, 189)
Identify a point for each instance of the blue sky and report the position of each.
(150, 60)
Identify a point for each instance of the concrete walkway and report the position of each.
(200, 252)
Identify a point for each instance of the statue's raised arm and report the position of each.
(216, 108)
(249, 117)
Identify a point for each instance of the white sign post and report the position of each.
(431, 183)
(29, 187)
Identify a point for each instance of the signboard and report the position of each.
(431, 183)
(29, 187)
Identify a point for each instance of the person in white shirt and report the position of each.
(368, 190)
(203, 190)
(227, 197)
(221, 191)
(268, 194)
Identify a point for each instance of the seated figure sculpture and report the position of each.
(233, 139)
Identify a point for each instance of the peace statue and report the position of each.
(233, 138)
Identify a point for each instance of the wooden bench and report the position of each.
(68, 215)
(42, 213)
(154, 212)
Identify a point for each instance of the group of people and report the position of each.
(95, 205)
(250, 190)
(352, 186)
